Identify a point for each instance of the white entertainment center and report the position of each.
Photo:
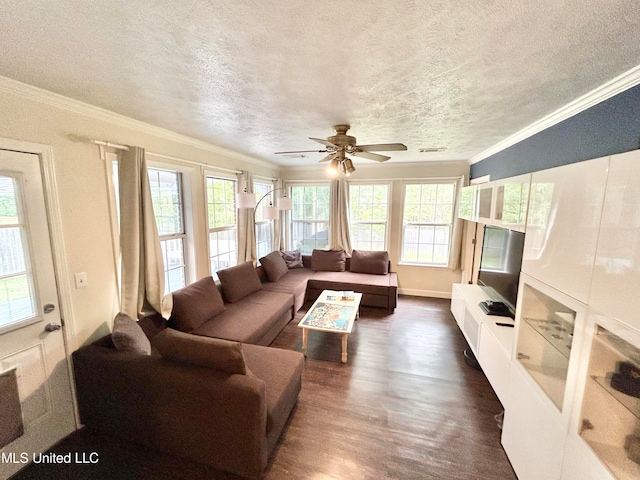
(568, 371)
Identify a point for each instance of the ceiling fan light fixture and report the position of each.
(347, 167)
(333, 166)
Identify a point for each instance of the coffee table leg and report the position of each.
(344, 347)
(305, 336)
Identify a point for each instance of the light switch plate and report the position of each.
(81, 280)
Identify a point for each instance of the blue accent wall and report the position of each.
(610, 127)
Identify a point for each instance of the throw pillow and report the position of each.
(293, 259)
(215, 353)
(128, 336)
(239, 281)
(274, 266)
(194, 304)
(363, 261)
(328, 260)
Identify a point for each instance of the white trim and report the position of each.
(423, 293)
(45, 152)
(623, 82)
(479, 180)
(30, 92)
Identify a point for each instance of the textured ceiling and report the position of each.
(262, 76)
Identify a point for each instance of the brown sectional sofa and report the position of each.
(228, 420)
(307, 284)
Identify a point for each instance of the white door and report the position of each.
(36, 408)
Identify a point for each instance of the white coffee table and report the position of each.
(330, 313)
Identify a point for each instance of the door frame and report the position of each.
(54, 219)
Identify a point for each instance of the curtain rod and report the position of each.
(102, 143)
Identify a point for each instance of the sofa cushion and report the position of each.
(274, 266)
(222, 355)
(128, 336)
(363, 261)
(250, 319)
(293, 258)
(294, 282)
(239, 281)
(328, 260)
(195, 304)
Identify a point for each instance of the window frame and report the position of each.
(427, 181)
(183, 235)
(386, 223)
(216, 175)
(291, 222)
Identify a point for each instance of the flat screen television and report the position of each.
(500, 264)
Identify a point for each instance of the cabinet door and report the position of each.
(457, 305)
(512, 199)
(494, 362)
(616, 276)
(483, 203)
(465, 209)
(605, 422)
(531, 434)
(563, 220)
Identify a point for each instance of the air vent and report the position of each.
(432, 149)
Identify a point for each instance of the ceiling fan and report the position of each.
(341, 144)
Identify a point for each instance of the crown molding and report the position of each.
(619, 84)
(374, 165)
(47, 97)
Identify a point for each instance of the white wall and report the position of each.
(33, 115)
(412, 280)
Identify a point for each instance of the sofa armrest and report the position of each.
(197, 413)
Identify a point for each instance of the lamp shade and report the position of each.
(270, 212)
(285, 203)
(245, 200)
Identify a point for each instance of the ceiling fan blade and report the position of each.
(382, 147)
(300, 151)
(371, 156)
(327, 158)
(324, 142)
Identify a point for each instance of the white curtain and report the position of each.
(142, 286)
(456, 234)
(281, 221)
(339, 238)
(246, 225)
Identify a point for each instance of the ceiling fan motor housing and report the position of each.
(341, 138)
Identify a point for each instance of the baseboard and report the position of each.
(424, 293)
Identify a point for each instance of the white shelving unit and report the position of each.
(491, 344)
(577, 329)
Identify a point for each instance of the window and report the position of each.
(427, 223)
(310, 217)
(369, 210)
(221, 212)
(17, 295)
(264, 228)
(166, 195)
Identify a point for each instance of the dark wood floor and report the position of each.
(405, 406)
